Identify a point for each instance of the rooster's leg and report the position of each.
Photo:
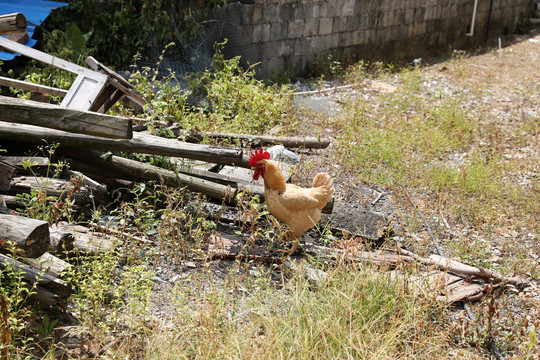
(290, 237)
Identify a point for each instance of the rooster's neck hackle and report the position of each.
(273, 177)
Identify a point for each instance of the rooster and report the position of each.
(299, 208)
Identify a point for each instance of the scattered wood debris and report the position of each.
(86, 136)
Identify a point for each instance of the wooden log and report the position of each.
(140, 143)
(30, 236)
(48, 263)
(257, 140)
(87, 241)
(48, 298)
(19, 84)
(58, 188)
(153, 173)
(62, 118)
(62, 242)
(12, 23)
(38, 277)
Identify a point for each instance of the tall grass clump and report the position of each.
(357, 314)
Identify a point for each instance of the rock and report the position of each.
(357, 221)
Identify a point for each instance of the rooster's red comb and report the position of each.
(258, 155)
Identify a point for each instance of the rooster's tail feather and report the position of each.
(322, 179)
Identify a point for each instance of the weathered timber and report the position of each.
(13, 203)
(62, 118)
(98, 191)
(19, 84)
(257, 140)
(87, 241)
(48, 263)
(7, 172)
(47, 298)
(58, 188)
(12, 23)
(153, 173)
(51, 60)
(140, 143)
(20, 161)
(38, 277)
(62, 242)
(30, 236)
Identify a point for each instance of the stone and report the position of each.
(357, 221)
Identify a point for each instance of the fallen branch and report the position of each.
(258, 140)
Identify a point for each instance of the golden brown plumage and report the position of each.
(299, 208)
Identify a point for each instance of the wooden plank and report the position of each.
(50, 60)
(61, 118)
(83, 92)
(97, 66)
(19, 84)
(145, 144)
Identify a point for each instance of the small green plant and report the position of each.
(41, 205)
(14, 311)
(47, 326)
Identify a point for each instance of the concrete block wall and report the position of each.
(290, 34)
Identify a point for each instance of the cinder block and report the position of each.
(248, 14)
(311, 27)
(340, 24)
(269, 49)
(286, 12)
(271, 13)
(408, 18)
(285, 47)
(334, 9)
(353, 22)
(325, 26)
(265, 36)
(358, 37)
(320, 10)
(278, 31)
(257, 13)
(419, 15)
(304, 10)
(348, 8)
(295, 29)
(316, 44)
(345, 39)
(274, 66)
(256, 34)
(302, 46)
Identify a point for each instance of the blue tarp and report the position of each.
(35, 11)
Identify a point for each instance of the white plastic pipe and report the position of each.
(473, 20)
